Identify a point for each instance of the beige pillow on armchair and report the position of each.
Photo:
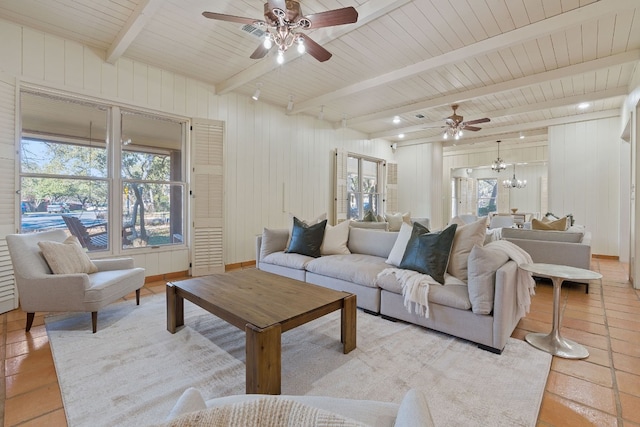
(67, 257)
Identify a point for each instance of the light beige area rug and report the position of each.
(132, 371)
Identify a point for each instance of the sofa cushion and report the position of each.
(290, 260)
(67, 257)
(466, 237)
(306, 239)
(356, 268)
(371, 242)
(273, 241)
(370, 217)
(546, 235)
(453, 293)
(484, 261)
(557, 225)
(335, 239)
(397, 252)
(428, 253)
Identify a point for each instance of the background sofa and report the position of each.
(571, 247)
(486, 316)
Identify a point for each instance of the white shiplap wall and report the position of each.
(274, 163)
(419, 181)
(584, 178)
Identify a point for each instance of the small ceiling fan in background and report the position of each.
(454, 125)
(283, 19)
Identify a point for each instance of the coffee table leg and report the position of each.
(348, 324)
(175, 309)
(263, 359)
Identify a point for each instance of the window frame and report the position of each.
(359, 195)
(114, 179)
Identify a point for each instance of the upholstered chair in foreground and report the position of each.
(53, 273)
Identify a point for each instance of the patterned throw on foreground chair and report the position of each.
(53, 273)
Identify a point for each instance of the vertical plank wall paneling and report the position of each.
(414, 181)
(274, 163)
(584, 178)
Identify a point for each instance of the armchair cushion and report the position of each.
(67, 257)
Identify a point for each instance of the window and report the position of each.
(487, 196)
(363, 186)
(65, 178)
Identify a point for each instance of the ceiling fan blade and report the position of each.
(346, 15)
(475, 122)
(472, 128)
(315, 50)
(260, 52)
(229, 18)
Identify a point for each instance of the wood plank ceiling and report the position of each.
(526, 64)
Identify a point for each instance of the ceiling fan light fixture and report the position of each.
(267, 41)
(301, 48)
(280, 58)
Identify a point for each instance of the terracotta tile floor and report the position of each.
(602, 390)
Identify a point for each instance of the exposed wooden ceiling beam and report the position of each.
(551, 25)
(559, 73)
(136, 22)
(496, 114)
(368, 12)
(499, 132)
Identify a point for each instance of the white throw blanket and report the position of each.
(525, 285)
(415, 289)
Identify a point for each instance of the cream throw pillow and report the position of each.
(272, 411)
(484, 261)
(67, 257)
(395, 220)
(467, 236)
(335, 239)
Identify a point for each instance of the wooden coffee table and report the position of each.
(263, 305)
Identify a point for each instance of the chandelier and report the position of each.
(498, 164)
(514, 182)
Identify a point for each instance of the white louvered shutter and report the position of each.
(503, 198)
(207, 197)
(340, 197)
(391, 194)
(8, 291)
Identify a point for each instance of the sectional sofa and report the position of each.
(484, 311)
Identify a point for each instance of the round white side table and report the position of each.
(553, 342)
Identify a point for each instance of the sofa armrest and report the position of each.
(258, 246)
(114, 264)
(505, 304)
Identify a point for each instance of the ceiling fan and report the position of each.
(282, 19)
(454, 124)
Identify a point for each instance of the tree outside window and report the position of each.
(487, 196)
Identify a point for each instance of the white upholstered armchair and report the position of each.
(41, 290)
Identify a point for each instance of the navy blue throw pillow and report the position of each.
(306, 239)
(428, 253)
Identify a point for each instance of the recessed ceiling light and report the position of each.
(401, 135)
(583, 105)
(396, 120)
